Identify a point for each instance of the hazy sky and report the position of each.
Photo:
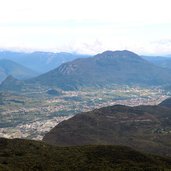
(86, 26)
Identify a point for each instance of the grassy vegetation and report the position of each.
(23, 155)
(146, 128)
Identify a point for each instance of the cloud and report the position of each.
(85, 26)
(162, 46)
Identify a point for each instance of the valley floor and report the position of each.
(32, 115)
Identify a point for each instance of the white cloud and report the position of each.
(80, 24)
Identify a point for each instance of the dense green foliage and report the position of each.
(25, 155)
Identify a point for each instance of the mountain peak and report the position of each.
(118, 53)
(11, 83)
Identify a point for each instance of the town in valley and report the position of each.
(32, 115)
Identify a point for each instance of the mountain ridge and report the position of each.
(40, 61)
(107, 68)
(120, 67)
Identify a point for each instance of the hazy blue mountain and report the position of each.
(145, 128)
(40, 61)
(110, 67)
(105, 69)
(164, 62)
(8, 67)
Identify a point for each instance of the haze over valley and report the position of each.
(85, 85)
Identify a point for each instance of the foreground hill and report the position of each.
(146, 128)
(19, 155)
(8, 67)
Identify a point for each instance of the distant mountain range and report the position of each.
(146, 128)
(8, 67)
(110, 67)
(107, 68)
(40, 62)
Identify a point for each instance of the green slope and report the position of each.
(25, 155)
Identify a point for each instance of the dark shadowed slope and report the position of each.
(166, 103)
(19, 155)
(147, 128)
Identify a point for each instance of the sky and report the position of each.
(86, 26)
